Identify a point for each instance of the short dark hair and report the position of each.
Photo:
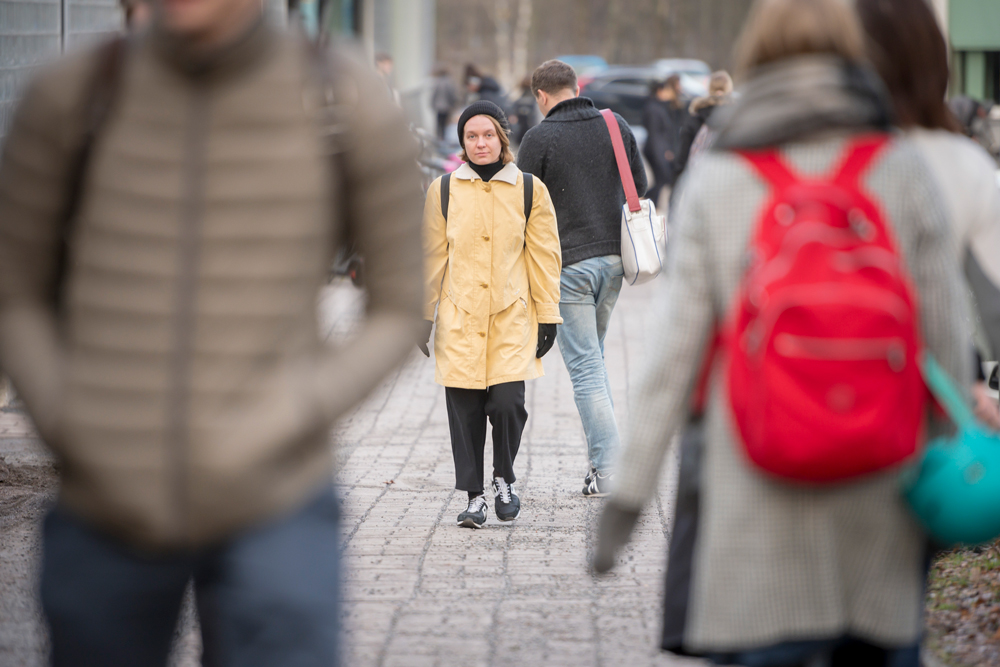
(553, 76)
(906, 46)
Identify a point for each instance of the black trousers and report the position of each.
(468, 410)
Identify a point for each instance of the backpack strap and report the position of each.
(445, 188)
(771, 167)
(100, 94)
(858, 156)
(528, 195)
(529, 187)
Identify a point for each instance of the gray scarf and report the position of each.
(795, 98)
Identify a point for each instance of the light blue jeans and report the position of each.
(589, 291)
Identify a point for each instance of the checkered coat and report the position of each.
(777, 562)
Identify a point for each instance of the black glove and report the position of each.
(425, 338)
(546, 339)
(613, 531)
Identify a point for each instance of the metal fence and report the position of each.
(33, 32)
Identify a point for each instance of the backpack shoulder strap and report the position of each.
(771, 167)
(529, 188)
(445, 193)
(100, 93)
(858, 155)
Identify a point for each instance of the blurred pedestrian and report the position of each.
(789, 572)
(697, 133)
(385, 65)
(571, 151)
(168, 212)
(525, 112)
(444, 99)
(910, 54)
(663, 116)
(493, 264)
(484, 87)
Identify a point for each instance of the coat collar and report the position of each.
(508, 174)
(798, 97)
(575, 108)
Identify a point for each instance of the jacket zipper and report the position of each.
(178, 441)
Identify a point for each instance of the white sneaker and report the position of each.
(474, 515)
(508, 505)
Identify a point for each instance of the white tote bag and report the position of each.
(644, 232)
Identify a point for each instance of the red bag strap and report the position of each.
(771, 167)
(631, 196)
(858, 155)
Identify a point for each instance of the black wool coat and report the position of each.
(571, 152)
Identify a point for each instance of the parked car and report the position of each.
(694, 73)
(586, 67)
(624, 90)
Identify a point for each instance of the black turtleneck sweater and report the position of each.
(487, 171)
(571, 152)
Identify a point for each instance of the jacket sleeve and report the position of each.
(381, 196)
(531, 154)
(681, 324)
(34, 174)
(435, 249)
(634, 157)
(944, 312)
(543, 255)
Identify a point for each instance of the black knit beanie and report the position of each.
(481, 108)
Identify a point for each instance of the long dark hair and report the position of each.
(906, 46)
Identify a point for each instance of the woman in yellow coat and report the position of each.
(493, 283)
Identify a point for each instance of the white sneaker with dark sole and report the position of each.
(474, 515)
(597, 485)
(508, 505)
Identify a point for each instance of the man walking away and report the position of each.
(180, 380)
(571, 152)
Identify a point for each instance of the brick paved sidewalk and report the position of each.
(421, 591)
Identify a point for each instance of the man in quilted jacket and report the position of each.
(181, 381)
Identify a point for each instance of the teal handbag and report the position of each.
(955, 489)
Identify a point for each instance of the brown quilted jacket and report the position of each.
(185, 388)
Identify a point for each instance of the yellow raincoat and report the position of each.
(491, 278)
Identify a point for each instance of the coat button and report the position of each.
(485, 286)
(482, 334)
(488, 187)
(486, 238)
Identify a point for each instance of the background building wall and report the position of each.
(35, 31)
(974, 34)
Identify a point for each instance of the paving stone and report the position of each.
(510, 593)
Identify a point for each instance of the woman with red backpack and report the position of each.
(811, 247)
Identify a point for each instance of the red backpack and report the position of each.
(824, 335)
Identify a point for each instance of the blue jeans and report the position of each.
(269, 596)
(589, 291)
